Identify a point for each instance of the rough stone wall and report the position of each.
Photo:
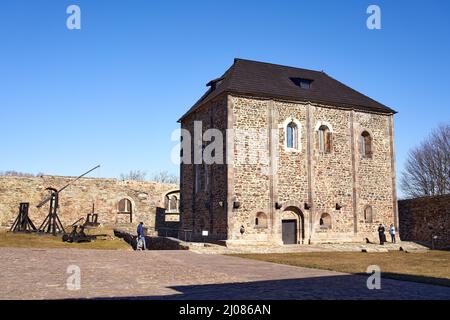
(336, 177)
(332, 175)
(205, 210)
(292, 174)
(187, 180)
(423, 218)
(77, 200)
(301, 176)
(374, 185)
(251, 184)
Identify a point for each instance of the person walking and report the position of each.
(392, 233)
(381, 234)
(141, 237)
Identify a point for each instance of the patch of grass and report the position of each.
(431, 267)
(33, 240)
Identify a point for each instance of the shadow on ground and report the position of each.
(345, 287)
(152, 243)
(415, 278)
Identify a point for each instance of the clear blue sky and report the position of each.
(111, 92)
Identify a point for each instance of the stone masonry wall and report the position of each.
(205, 210)
(302, 176)
(251, 187)
(423, 218)
(336, 178)
(291, 182)
(374, 185)
(332, 175)
(77, 200)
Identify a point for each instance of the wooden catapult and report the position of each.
(51, 224)
(23, 222)
(78, 234)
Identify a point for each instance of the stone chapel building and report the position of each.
(330, 176)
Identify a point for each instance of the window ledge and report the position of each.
(292, 150)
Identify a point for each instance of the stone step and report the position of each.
(342, 247)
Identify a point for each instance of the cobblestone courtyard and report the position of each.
(42, 274)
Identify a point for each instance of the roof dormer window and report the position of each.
(302, 82)
(214, 83)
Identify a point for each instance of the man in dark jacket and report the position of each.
(141, 236)
(381, 234)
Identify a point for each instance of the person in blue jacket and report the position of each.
(140, 235)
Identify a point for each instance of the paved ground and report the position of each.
(42, 274)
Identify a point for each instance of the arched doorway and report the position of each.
(292, 226)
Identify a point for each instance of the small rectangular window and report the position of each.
(305, 84)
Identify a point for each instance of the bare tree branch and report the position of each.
(11, 173)
(134, 175)
(164, 177)
(427, 169)
(159, 176)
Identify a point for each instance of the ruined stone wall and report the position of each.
(77, 200)
(205, 210)
(423, 218)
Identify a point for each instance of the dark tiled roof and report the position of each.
(267, 80)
